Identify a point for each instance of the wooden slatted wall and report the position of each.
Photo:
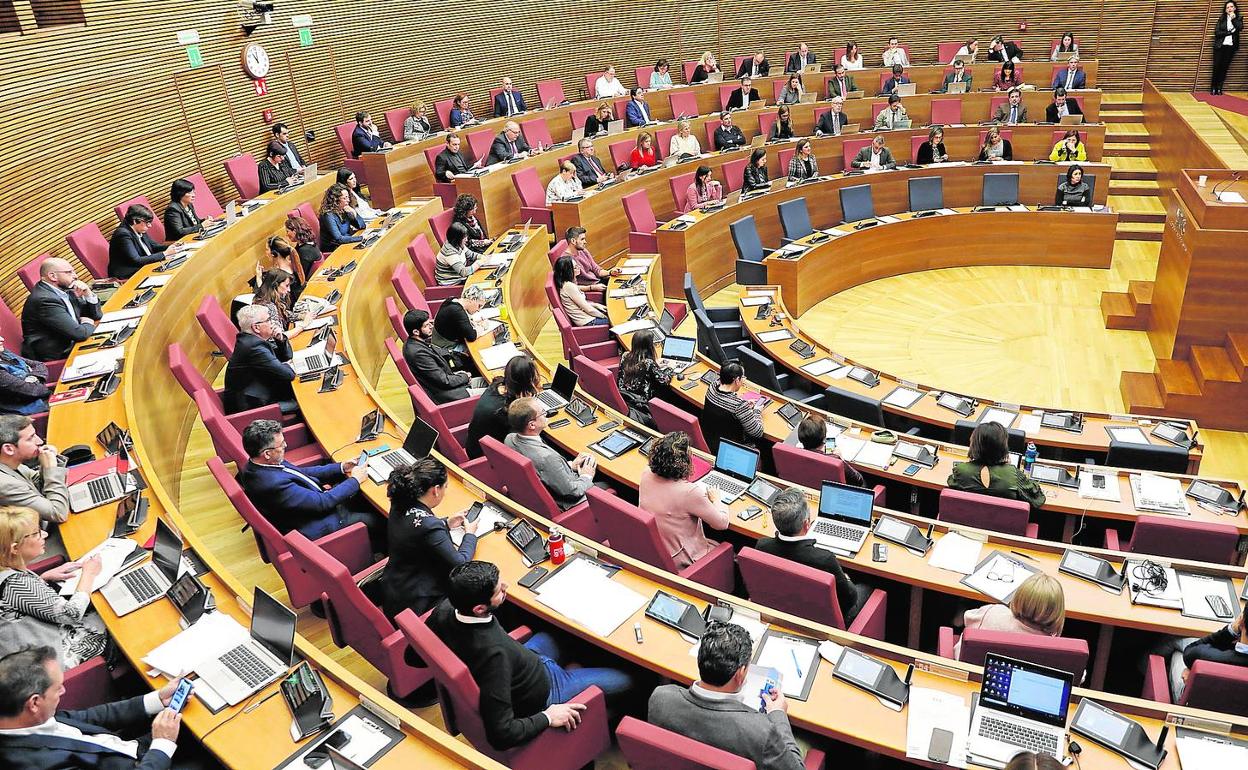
(96, 112)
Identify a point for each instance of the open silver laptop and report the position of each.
(1071, 120)
(144, 584)
(678, 352)
(844, 519)
(263, 658)
(906, 89)
(1022, 707)
(418, 443)
(107, 488)
(562, 386)
(956, 87)
(735, 467)
(318, 357)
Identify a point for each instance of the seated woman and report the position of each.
(680, 507)
(755, 175)
(971, 49)
(489, 416)
(803, 165)
(643, 155)
(461, 112)
(32, 612)
(989, 471)
(684, 142)
(466, 215)
(416, 126)
(282, 257)
(1006, 78)
(274, 293)
(783, 127)
(1066, 45)
(455, 259)
(1037, 607)
(792, 92)
(299, 233)
(933, 150)
(564, 185)
(597, 123)
(581, 312)
(338, 220)
(23, 384)
(852, 58)
(702, 190)
(662, 75)
(1069, 148)
(996, 147)
(1074, 191)
(180, 218)
(346, 178)
(640, 377)
(707, 66)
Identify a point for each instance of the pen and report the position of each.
(1025, 556)
(258, 703)
(796, 665)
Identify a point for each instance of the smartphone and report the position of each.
(879, 552)
(750, 513)
(912, 469)
(560, 423)
(472, 513)
(940, 745)
(533, 575)
(181, 695)
(320, 755)
(606, 426)
(362, 460)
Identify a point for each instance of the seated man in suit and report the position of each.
(257, 373)
(793, 517)
(724, 403)
(874, 156)
(812, 435)
(566, 481)
(1061, 106)
(60, 311)
(832, 122)
(40, 488)
(441, 381)
(798, 61)
(34, 735)
(588, 168)
(509, 101)
(508, 144)
(1072, 78)
(1002, 50)
(894, 117)
(840, 83)
(637, 112)
(450, 162)
(315, 500)
(131, 247)
(959, 75)
(275, 171)
(1013, 111)
(711, 710)
(898, 78)
(743, 96)
(524, 689)
(754, 67)
(281, 135)
(728, 136)
(365, 137)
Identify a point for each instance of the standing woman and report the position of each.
(852, 59)
(702, 190)
(933, 150)
(640, 378)
(1225, 43)
(803, 165)
(347, 178)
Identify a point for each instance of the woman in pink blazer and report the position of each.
(703, 190)
(679, 505)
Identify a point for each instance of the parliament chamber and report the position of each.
(298, 362)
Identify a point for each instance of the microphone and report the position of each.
(1161, 739)
(1234, 178)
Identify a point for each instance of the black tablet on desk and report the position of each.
(874, 676)
(1091, 568)
(528, 542)
(677, 613)
(1118, 734)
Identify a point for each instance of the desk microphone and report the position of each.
(1161, 740)
(1234, 178)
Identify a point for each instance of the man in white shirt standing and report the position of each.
(608, 86)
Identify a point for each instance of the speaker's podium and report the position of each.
(1195, 317)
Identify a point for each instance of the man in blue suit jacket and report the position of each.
(366, 137)
(1072, 78)
(131, 247)
(509, 102)
(637, 113)
(313, 500)
(257, 374)
(35, 736)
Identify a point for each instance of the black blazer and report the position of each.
(489, 418)
(806, 552)
(39, 752)
(1007, 151)
(434, 373)
(1050, 112)
(926, 155)
(500, 104)
(290, 148)
(825, 122)
(1007, 53)
(422, 556)
(272, 177)
(125, 257)
(594, 126)
(1220, 31)
(48, 331)
(180, 221)
(754, 178)
(737, 101)
(257, 374)
(588, 169)
(1218, 647)
(449, 161)
(795, 61)
(729, 138)
(747, 68)
(501, 150)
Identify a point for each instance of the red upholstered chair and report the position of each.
(1079, 101)
(946, 111)
(227, 440)
(806, 592)
(89, 683)
(206, 204)
(725, 93)
(1069, 655)
(599, 382)
(579, 115)
(193, 381)
(680, 185)
(1180, 539)
(641, 223)
(536, 132)
(451, 420)
(157, 229)
(439, 223)
(618, 106)
(876, 109)
(839, 52)
(1213, 686)
(308, 214)
(734, 174)
(768, 119)
(532, 198)
(29, 272)
(670, 418)
(216, 324)
(425, 262)
(395, 349)
(994, 103)
(590, 79)
(11, 330)
(91, 248)
(242, 171)
(459, 696)
(809, 469)
(395, 120)
(593, 342)
(643, 76)
(687, 69)
(915, 143)
(647, 747)
(442, 108)
(550, 92)
(783, 158)
(885, 75)
(557, 251)
(396, 317)
(850, 148)
(409, 293)
(636, 532)
(683, 103)
(1006, 134)
(344, 131)
(994, 514)
(736, 63)
(946, 51)
(493, 93)
(663, 141)
(777, 85)
(354, 621)
(524, 487)
(479, 144)
(444, 190)
(349, 545)
(620, 151)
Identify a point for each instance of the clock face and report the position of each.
(255, 60)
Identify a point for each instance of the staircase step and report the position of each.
(1127, 105)
(1119, 313)
(1237, 351)
(1127, 149)
(1212, 364)
(1140, 394)
(1139, 231)
(1134, 187)
(1121, 116)
(1176, 377)
(1136, 98)
(1134, 129)
(1138, 208)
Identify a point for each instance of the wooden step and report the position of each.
(1127, 149)
(1135, 98)
(1121, 116)
(1133, 168)
(1138, 208)
(1237, 351)
(1126, 105)
(1139, 231)
(1176, 377)
(1212, 365)
(1119, 312)
(1140, 394)
(1135, 131)
(1134, 187)
(1141, 293)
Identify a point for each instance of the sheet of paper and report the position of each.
(820, 367)
(956, 553)
(93, 363)
(1199, 751)
(638, 262)
(687, 218)
(1111, 491)
(841, 372)
(124, 314)
(632, 326)
(1129, 435)
(794, 659)
(757, 679)
(999, 576)
(875, 454)
(497, 356)
(636, 301)
(582, 593)
(317, 323)
(1171, 596)
(1159, 493)
(112, 326)
(193, 246)
(1030, 423)
(755, 301)
(633, 270)
(487, 313)
(154, 280)
(848, 447)
(889, 219)
(213, 635)
(830, 651)
(1195, 588)
(112, 553)
(775, 336)
(485, 524)
(903, 398)
(1230, 196)
(629, 292)
(930, 709)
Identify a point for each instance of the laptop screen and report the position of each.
(849, 504)
(273, 626)
(564, 381)
(736, 460)
(666, 321)
(420, 439)
(167, 552)
(1025, 689)
(679, 348)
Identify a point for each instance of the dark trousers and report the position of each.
(1221, 64)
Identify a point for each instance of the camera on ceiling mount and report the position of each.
(253, 14)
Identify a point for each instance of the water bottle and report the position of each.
(1030, 457)
(555, 544)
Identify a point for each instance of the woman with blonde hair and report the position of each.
(416, 125)
(32, 612)
(684, 142)
(706, 67)
(1037, 607)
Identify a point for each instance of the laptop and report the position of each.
(678, 352)
(562, 386)
(735, 468)
(262, 659)
(715, 77)
(1070, 120)
(664, 326)
(143, 585)
(957, 87)
(906, 89)
(318, 357)
(1022, 707)
(107, 488)
(309, 173)
(418, 443)
(844, 519)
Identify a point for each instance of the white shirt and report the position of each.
(855, 64)
(605, 89)
(685, 145)
(55, 729)
(713, 694)
(362, 208)
(963, 52)
(896, 56)
(875, 158)
(561, 189)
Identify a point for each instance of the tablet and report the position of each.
(956, 403)
(677, 613)
(617, 443)
(762, 491)
(791, 414)
(1091, 568)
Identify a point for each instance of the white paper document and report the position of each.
(1129, 435)
(582, 593)
(793, 658)
(931, 710)
(956, 553)
(154, 280)
(112, 326)
(211, 636)
(497, 356)
(999, 577)
(1159, 493)
(1030, 423)
(632, 326)
(1197, 588)
(125, 314)
(755, 301)
(93, 363)
(485, 524)
(820, 367)
(638, 262)
(775, 336)
(903, 397)
(629, 292)
(1199, 751)
(636, 301)
(112, 553)
(633, 270)
(870, 453)
(1171, 596)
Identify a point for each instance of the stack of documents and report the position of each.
(956, 553)
(1170, 597)
(1158, 493)
(584, 594)
(113, 552)
(1200, 751)
(999, 576)
(632, 326)
(855, 450)
(497, 356)
(931, 710)
(94, 363)
(212, 636)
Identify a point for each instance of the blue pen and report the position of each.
(796, 665)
